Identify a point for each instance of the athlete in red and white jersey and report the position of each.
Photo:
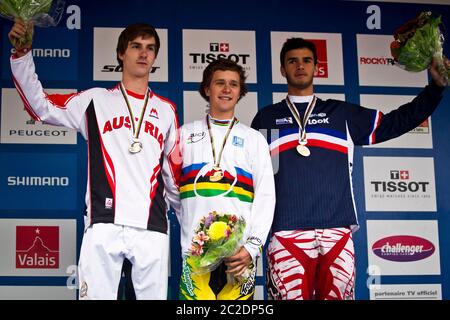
(132, 137)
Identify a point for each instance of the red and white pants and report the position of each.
(317, 264)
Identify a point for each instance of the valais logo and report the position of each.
(322, 59)
(403, 248)
(37, 247)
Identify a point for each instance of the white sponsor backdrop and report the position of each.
(426, 229)
(67, 247)
(421, 137)
(383, 191)
(105, 43)
(37, 293)
(202, 46)
(333, 49)
(406, 292)
(17, 126)
(380, 72)
(195, 107)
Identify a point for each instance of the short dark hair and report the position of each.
(133, 31)
(297, 43)
(222, 65)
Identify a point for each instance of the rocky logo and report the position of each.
(37, 247)
(403, 248)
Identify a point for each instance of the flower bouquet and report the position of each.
(42, 13)
(417, 42)
(217, 236)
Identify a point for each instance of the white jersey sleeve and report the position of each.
(263, 206)
(172, 164)
(65, 110)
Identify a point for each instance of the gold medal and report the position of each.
(303, 150)
(217, 171)
(217, 175)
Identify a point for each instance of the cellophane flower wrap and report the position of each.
(218, 236)
(417, 42)
(42, 13)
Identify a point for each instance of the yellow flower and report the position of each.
(217, 230)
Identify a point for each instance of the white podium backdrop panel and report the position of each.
(106, 66)
(420, 137)
(17, 126)
(376, 66)
(399, 184)
(196, 108)
(329, 56)
(397, 247)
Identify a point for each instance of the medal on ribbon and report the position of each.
(136, 145)
(217, 170)
(301, 148)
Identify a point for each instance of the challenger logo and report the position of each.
(37, 247)
(403, 248)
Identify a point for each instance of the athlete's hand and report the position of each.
(435, 73)
(238, 263)
(21, 36)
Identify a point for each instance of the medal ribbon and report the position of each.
(302, 127)
(217, 160)
(135, 132)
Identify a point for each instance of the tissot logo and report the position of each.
(322, 60)
(201, 47)
(210, 57)
(403, 248)
(37, 247)
(399, 174)
(399, 182)
(219, 47)
(376, 60)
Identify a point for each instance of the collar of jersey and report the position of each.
(301, 99)
(221, 123)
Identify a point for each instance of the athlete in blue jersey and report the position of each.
(310, 253)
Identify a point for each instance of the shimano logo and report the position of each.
(48, 53)
(38, 181)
